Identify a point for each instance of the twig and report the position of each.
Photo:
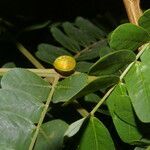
(133, 10)
(40, 72)
(29, 56)
(83, 112)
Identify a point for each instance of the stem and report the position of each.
(133, 10)
(121, 77)
(29, 56)
(43, 113)
(102, 100)
(40, 72)
(83, 112)
(87, 48)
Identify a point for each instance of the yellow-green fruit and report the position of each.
(65, 64)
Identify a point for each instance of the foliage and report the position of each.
(118, 76)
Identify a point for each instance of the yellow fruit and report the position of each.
(65, 64)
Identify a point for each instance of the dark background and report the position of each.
(26, 12)
(62, 9)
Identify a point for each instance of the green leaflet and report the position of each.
(123, 115)
(92, 51)
(128, 36)
(26, 81)
(9, 65)
(83, 66)
(90, 28)
(78, 35)
(138, 85)
(92, 97)
(144, 20)
(15, 131)
(80, 84)
(64, 40)
(49, 53)
(112, 62)
(74, 128)
(104, 50)
(95, 136)
(51, 135)
(21, 103)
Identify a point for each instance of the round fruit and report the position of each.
(65, 64)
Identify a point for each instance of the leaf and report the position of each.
(89, 27)
(128, 36)
(138, 85)
(105, 50)
(78, 35)
(91, 52)
(74, 128)
(139, 148)
(26, 81)
(95, 136)
(144, 20)
(48, 53)
(51, 135)
(123, 115)
(15, 131)
(20, 103)
(9, 65)
(37, 26)
(64, 40)
(112, 62)
(83, 66)
(88, 84)
(92, 97)
(137, 81)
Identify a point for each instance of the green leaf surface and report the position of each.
(138, 85)
(123, 116)
(26, 81)
(137, 81)
(95, 136)
(5, 147)
(144, 20)
(89, 27)
(80, 84)
(111, 63)
(78, 35)
(139, 148)
(21, 103)
(9, 65)
(48, 53)
(91, 52)
(64, 40)
(128, 36)
(15, 131)
(105, 50)
(74, 128)
(92, 97)
(51, 135)
(83, 66)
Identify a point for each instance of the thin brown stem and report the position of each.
(133, 10)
